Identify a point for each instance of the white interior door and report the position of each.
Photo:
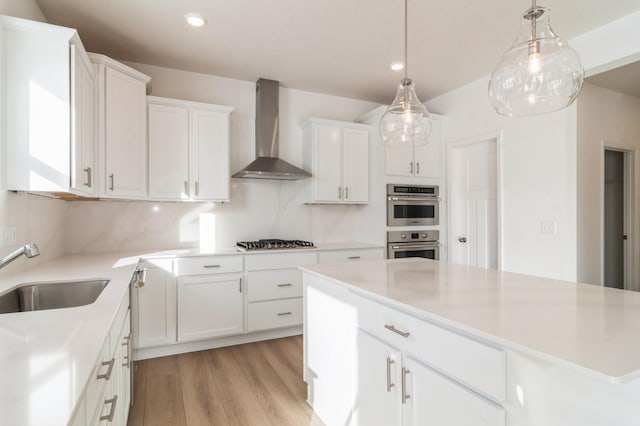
(474, 204)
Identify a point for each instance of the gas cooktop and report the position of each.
(274, 244)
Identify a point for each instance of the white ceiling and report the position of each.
(625, 79)
(340, 47)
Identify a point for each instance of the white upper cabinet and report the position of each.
(122, 128)
(83, 129)
(47, 114)
(188, 150)
(421, 161)
(337, 154)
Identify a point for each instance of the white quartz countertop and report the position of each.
(47, 356)
(592, 329)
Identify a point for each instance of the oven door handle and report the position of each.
(415, 246)
(410, 198)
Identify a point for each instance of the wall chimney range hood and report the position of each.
(267, 165)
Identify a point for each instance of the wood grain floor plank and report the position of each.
(202, 401)
(284, 360)
(257, 384)
(281, 405)
(240, 403)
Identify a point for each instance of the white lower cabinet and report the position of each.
(209, 306)
(394, 369)
(154, 301)
(107, 397)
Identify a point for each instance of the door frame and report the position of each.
(630, 221)
(496, 136)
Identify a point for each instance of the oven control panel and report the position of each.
(412, 236)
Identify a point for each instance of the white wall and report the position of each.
(27, 9)
(36, 219)
(605, 119)
(537, 168)
(258, 209)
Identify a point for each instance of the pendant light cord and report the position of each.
(406, 56)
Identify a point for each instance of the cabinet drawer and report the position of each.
(96, 385)
(349, 255)
(275, 314)
(256, 262)
(279, 284)
(209, 265)
(479, 366)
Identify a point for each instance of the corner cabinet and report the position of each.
(422, 161)
(188, 150)
(48, 108)
(337, 155)
(122, 128)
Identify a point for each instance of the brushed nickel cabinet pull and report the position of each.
(211, 266)
(111, 182)
(418, 168)
(240, 285)
(285, 285)
(107, 375)
(88, 172)
(405, 396)
(113, 401)
(281, 314)
(395, 330)
(411, 167)
(353, 257)
(125, 358)
(186, 187)
(389, 384)
(340, 192)
(197, 188)
(346, 193)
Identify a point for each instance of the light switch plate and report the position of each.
(9, 236)
(548, 227)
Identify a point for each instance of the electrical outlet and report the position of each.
(9, 236)
(548, 227)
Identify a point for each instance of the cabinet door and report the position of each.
(356, 165)
(82, 123)
(435, 400)
(327, 158)
(428, 158)
(209, 306)
(125, 135)
(209, 155)
(154, 309)
(168, 152)
(377, 381)
(399, 161)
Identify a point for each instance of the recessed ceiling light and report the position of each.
(397, 66)
(195, 20)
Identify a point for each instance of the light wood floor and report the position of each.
(254, 384)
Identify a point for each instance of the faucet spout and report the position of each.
(29, 250)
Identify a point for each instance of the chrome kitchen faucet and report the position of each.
(29, 250)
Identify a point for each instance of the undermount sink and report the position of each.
(51, 295)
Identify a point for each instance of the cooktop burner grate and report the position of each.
(274, 244)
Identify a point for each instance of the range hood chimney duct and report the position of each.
(267, 165)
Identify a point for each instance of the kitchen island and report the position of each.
(416, 342)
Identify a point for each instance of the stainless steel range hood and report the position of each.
(267, 165)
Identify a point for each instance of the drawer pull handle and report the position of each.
(107, 375)
(405, 396)
(389, 384)
(113, 401)
(281, 314)
(395, 330)
(211, 266)
(353, 257)
(285, 285)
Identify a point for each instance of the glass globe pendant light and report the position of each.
(406, 122)
(540, 73)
